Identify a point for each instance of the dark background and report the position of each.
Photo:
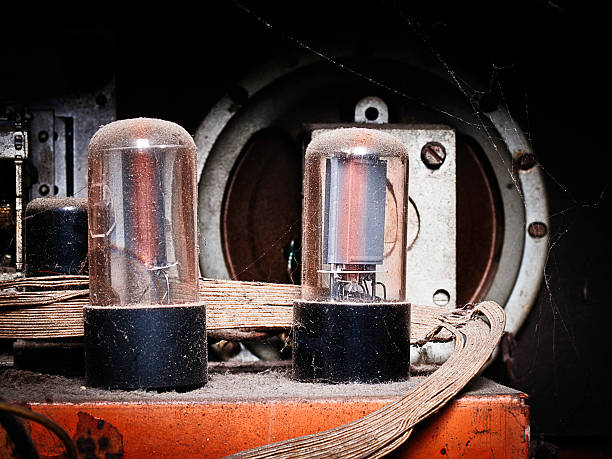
(545, 60)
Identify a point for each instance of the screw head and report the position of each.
(537, 230)
(43, 136)
(433, 155)
(526, 161)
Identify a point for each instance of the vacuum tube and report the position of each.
(352, 323)
(144, 327)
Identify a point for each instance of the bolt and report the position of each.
(433, 155)
(43, 136)
(441, 297)
(526, 161)
(537, 229)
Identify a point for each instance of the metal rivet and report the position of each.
(43, 136)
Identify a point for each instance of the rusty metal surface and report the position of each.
(96, 438)
(481, 423)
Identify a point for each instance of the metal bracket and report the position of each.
(14, 146)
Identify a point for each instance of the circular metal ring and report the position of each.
(371, 110)
(222, 135)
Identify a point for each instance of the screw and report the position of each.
(433, 155)
(526, 161)
(43, 136)
(537, 229)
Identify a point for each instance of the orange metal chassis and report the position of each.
(472, 425)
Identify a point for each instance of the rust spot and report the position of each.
(96, 438)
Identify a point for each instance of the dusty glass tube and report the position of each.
(143, 258)
(352, 322)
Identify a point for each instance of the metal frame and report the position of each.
(222, 134)
(14, 145)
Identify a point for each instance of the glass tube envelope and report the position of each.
(142, 214)
(354, 258)
(143, 258)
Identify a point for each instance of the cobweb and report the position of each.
(577, 206)
(567, 215)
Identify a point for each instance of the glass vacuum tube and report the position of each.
(144, 327)
(352, 322)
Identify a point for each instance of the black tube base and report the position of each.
(152, 348)
(56, 236)
(351, 342)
